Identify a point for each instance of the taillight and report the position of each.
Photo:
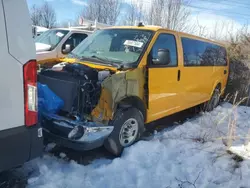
(30, 92)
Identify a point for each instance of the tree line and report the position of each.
(172, 14)
(43, 15)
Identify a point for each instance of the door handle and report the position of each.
(179, 75)
(225, 71)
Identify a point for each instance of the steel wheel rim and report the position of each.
(128, 132)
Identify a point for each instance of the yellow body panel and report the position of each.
(165, 94)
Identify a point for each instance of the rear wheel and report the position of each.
(128, 128)
(214, 101)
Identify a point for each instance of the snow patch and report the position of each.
(189, 154)
(50, 146)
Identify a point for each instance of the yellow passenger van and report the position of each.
(135, 75)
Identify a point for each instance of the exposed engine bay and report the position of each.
(77, 102)
(78, 85)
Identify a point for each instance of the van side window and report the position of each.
(74, 40)
(166, 41)
(199, 53)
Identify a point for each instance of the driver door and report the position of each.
(164, 79)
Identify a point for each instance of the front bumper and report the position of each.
(59, 129)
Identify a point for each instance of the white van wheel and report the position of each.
(128, 133)
(128, 128)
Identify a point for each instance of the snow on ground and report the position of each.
(189, 155)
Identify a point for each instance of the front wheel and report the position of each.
(128, 128)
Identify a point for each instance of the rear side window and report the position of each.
(199, 53)
(166, 41)
(75, 39)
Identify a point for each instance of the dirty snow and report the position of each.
(189, 155)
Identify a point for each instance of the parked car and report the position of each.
(20, 136)
(54, 44)
(122, 78)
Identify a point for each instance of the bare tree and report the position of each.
(172, 14)
(104, 11)
(93, 11)
(139, 7)
(199, 29)
(156, 13)
(112, 11)
(64, 24)
(135, 12)
(43, 15)
(48, 16)
(36, 15)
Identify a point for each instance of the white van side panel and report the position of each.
(15, 50)
(19, 29)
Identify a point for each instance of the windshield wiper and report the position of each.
(101, 61)
(105, 61)
(99, 58)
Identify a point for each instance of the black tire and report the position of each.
(214, 101)
(112, 144)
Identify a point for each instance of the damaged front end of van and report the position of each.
(93, 84)
(83, 101)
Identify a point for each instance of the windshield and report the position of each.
(51, 37)
(121, 46)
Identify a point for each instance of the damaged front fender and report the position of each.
(116, 88)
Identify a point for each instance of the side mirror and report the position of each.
(67, 49)
(163, 57)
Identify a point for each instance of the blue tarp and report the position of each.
(48, 101)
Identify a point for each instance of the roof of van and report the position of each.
(157, 28)
(153, 28)
(72, 29)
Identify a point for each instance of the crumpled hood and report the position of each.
(40, 47)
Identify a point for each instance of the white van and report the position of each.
(54, 44)
(20, 136)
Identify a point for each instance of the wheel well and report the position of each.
(218, 86)
(133, 102)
